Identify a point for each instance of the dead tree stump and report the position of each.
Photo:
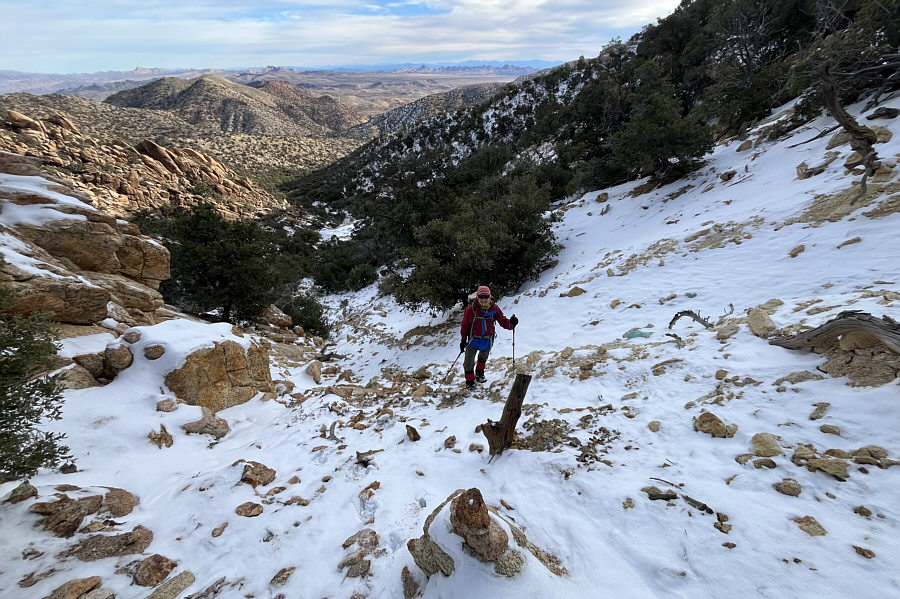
(500, 434)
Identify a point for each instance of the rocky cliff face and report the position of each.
(61, 254)
(121, 179)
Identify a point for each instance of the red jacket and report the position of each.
(478, 323)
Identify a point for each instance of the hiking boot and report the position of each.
(479, 377)
(470, 385)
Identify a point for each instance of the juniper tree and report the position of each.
(27, 399)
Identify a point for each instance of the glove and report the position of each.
(462, 346)
(513, 321)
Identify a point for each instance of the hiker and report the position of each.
(478, 333)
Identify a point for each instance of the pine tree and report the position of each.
(27, 399)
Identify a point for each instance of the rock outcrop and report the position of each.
(63, 255)
(222, 376)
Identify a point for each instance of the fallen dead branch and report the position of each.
(886, 329)
(693, 315)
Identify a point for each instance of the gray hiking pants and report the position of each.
(469, 361)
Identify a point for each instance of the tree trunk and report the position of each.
(500, 434)
(886, 329)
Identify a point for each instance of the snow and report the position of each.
(639, 262)
(36, 215)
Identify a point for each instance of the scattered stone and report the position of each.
(810, 526)
(74, 588)
(862, 511)
(765, 445)
(654, 426)
(65, 515)
(412, 433)
(161, 438)
(510, 563)
(655, 494)
(256, 474)
(760, 323)
(628, 503)
(721, 374)
(118, 502)
(789, 487)
(722, 527)
(573, 292)
(281, 578)
(833, 466)
(830, 429)
(866, 553)
(820, 410)
(99, 546)
(796, 251)
(209, 424)
(173, 587)
(166, 405)
(430, 557)
(153, 570)
(366, 539)
(248, 509)
(154, 352)
(450, 442)
(884, 112)
(24, 491)
(476, 447)
(356, 563)
(709, 423)
(217, 531)
(743, 458)
(764, 463)
(315, 371)
(410, 586)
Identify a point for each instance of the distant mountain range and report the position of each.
(101, 84)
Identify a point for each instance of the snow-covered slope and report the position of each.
(717, 245)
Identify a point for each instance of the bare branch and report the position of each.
(693, 315)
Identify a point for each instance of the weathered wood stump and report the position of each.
(886, 329)
(500, 434)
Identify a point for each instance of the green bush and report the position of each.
(27, 399)
(218, 264)
(307, 312)
(361, 275)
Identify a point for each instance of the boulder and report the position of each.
(222, 376)
(256, 474)
(760, 323)
(470, 519)
(118, 502)
(98, 547)
(24, 491)
(765, 445)
(172, 588)
(18, 120)
(74, 588)
(153, 570)
(709, 423)
(277, 318)
(209, 424)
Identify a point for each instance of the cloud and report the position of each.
(50, 36)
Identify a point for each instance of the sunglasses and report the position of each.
(484, 296)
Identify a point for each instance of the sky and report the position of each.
(604, 372)
(83, 36)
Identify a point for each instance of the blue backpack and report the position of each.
(482, 341)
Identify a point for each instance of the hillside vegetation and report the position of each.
(649, 107)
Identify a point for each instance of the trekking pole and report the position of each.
(514, 349)
(444, 379)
